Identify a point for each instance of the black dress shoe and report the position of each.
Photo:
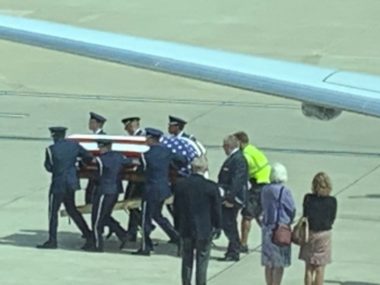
(229, 258)
(88, 245)
(131, 237)
(128, 238)
(244, 249)
(173, 241)
(48, 245)
(109, 235)
(142, 252)
(93, 248)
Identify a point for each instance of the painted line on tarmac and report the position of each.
(13, 115)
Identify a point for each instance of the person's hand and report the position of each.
(228, 204)
(216, 233)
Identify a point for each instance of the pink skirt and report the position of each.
(318, 250)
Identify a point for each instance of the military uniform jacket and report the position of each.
(156, 162)
(110, 165)
(233, 178)
(197, 207)
(60, 160)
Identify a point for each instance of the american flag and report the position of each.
(182, 147)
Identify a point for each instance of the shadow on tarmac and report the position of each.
(349, 282)
(73, 242)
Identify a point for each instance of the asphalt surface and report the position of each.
(40, 88)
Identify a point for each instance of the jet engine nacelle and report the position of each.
(320, 112)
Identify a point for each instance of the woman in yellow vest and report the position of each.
(259, 174)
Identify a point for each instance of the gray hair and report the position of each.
(231, 141)
(279, 174)
(199, 164)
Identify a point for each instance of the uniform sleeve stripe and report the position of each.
(100, 165)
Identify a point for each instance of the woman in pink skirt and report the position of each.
(320, 209)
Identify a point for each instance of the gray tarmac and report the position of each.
(40, 88)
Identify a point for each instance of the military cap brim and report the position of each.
(57, 130)
(130, 120)
(155, 133)
(97, 117)
(176, 121)
(104, 142)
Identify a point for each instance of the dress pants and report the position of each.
(68, 199)
(152, 210)
(230, 229)
(202, 255)
(101, 216)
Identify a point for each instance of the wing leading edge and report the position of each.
(349, 91)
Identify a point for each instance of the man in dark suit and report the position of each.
(60, 161)
(233, 180)
(197, 216)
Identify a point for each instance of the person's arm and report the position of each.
(86, 156)
(305, 206)
(126, 161)
(216, 208)
(238, 179)
(289, 204)
(334, 209)
(176, 207)
(48, 160)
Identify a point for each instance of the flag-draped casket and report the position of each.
(130, 146)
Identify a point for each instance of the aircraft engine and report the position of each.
(320, 112)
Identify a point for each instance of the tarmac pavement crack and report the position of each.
(356, 181)
(18, 198)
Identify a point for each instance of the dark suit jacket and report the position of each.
(156, 163)
(60, 160)
(110, 165)
(233, 178)
(197, 207)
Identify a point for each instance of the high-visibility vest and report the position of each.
(258, 164)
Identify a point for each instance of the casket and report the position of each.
(130, 146)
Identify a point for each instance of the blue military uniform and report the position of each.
(90, 189)
(156, 163)
(60, 161)
(108, 188)
(134, 189)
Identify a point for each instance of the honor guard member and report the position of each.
(134, 189)
(176, 128)
(155, 162)
(108, 188)
(132, 126)
(95, 124)
(233, 180)
(60, 161)
(259, 175)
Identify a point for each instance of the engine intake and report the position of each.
(320, 112)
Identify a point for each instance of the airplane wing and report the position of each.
(324, 92)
